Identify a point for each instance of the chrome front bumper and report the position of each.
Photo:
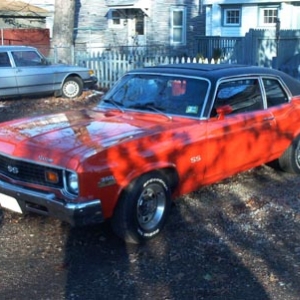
(76, 214)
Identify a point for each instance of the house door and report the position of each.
(136, 31)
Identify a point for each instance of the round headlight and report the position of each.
(73, 183)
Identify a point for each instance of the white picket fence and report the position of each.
(110, 66)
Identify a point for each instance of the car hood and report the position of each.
(59, 138)
(67, 68)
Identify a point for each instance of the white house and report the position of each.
(159, 24)
(235, 18)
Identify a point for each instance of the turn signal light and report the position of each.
(52, 177)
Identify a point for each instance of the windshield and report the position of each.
(168, 94)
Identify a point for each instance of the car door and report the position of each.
(8, 83)
(242, 139)
(32, 75)
(286, 117)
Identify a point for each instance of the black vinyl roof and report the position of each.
(217, 70)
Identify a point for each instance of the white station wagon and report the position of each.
(25, 71)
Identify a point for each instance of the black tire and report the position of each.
(72, 87)
(142, 209)
(290, 159)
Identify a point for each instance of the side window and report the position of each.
(243, 95)
(26, 58)
(4, 60)
(274, 92)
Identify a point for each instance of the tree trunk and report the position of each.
(63, 28)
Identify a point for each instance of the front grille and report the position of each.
(28, 172)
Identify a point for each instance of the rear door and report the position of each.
(287, 118)
(8, 83)
(243, 138)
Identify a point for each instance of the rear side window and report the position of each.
(274, 92)
(4, 60)
(243, 95)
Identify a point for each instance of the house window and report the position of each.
(139, 24)
(268, 16)
(178, 26)
(232, 17)
(114, 18)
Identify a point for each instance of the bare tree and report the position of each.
(63, 28)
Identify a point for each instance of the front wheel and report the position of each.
(142, 209)
(72, 87)
(290, 159)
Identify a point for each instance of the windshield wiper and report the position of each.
(151, 106)
(117, 104)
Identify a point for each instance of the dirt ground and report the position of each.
(238, 239)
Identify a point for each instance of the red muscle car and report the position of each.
(159, 132)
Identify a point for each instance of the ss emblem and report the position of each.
(195, 159)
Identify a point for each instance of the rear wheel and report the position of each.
(72, 87)
(290, 159)
(142, 209)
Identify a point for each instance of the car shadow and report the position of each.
(217, 244)
(186, 261)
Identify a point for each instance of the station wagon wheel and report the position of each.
(142, 209)
(72, 87)
(290, 159)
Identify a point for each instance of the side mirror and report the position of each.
(45, 62)
(223, 110)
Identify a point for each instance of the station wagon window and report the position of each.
(274, 92)
(26, 58)
(243, 95)
(4, 60)
(232, 17)
(178, 26)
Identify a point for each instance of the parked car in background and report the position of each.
(160, 132)
(25, 71)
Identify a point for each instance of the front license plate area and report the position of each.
(10, 203)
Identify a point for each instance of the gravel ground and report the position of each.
(238, 239)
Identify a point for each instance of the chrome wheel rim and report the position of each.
(151, 206)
